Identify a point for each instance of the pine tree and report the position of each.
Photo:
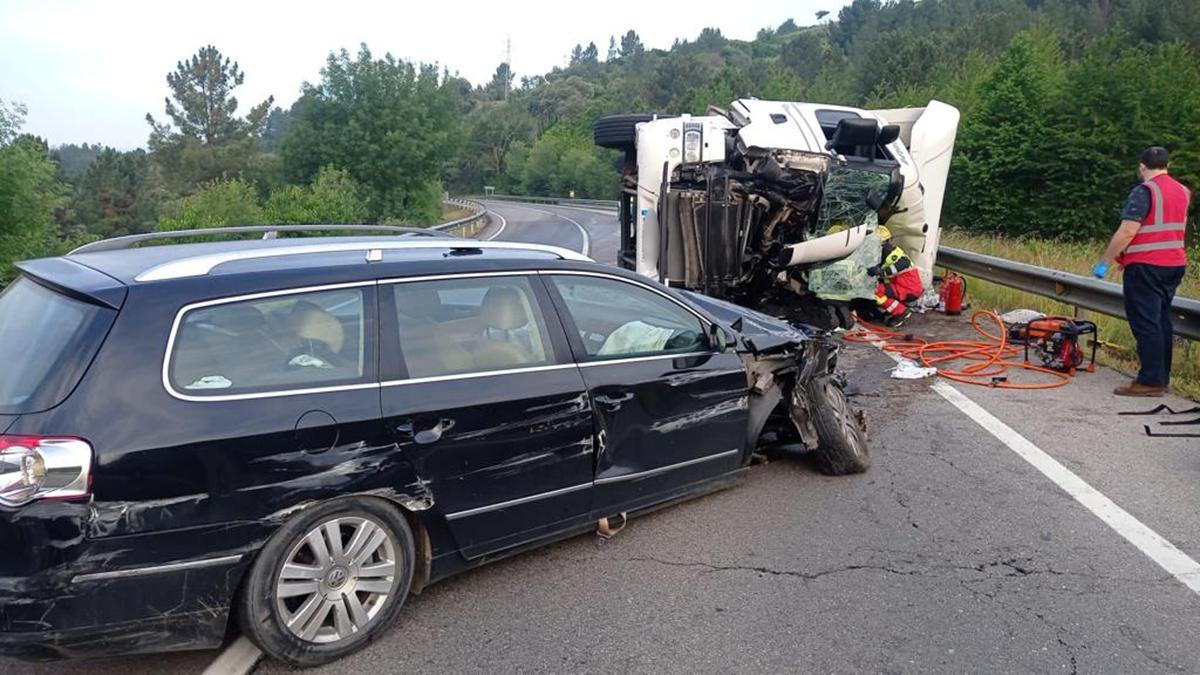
(203, 105)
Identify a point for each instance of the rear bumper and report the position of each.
(191, 630)
(126, 611)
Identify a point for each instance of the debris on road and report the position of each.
(1167, 410)
(909, 370)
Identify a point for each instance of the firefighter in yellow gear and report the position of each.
(899, 281)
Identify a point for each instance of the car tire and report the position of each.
(306, 607)
(619, 132)
(841, 430)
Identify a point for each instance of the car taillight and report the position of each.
(41, 467)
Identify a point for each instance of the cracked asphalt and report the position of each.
(952, 554)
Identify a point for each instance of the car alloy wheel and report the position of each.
(336, 579)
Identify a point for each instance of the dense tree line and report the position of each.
(1058, 96)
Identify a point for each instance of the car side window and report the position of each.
(616, 319)
(283, 342)
(470, 325)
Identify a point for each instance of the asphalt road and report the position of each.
(952, 554)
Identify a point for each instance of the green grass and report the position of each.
(1118, 349)
(454, 213)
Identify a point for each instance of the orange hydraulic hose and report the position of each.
(989, 359)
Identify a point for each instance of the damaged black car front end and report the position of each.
(797, 393)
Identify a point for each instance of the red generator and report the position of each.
(1055, 340)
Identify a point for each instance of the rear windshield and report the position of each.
(47, 341)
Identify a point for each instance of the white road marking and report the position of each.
(587, 241)
(503, 224)
(1156, 547)
(238, 658)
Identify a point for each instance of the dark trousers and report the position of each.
(1149, 290)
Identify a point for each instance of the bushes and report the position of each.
(562, 161)
(332, 198)
(217, 203)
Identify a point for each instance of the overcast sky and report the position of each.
(90, 71)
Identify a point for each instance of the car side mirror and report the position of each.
(717, 337)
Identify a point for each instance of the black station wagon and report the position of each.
(288, 436)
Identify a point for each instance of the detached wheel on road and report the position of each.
(841, 430)
(329, 581)
(619, 132)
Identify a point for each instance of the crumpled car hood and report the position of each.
(762, 331)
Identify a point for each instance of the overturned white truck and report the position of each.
(762, 203)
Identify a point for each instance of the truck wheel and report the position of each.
(329, 581)
(841, 430)
(619, 132)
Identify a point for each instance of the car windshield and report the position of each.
(47, 341)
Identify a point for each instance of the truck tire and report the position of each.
(619, 132)
(841, 430)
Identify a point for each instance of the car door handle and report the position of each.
(424, 433)
(613, 403)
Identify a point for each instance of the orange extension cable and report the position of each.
(991, 356)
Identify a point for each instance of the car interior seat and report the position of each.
(232, 342)
(320, 333)
(506, 334)
(418, 303)
(428, 346)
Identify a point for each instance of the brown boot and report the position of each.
(1138, 389)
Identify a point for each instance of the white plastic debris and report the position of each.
(211, 382)
(908, 370)
(309, 361)
(1021, 316)
(928, 300)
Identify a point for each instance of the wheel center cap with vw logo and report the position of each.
(336, 577)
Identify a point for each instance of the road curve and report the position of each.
(592, 232)
(952, 554)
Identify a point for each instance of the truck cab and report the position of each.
(746, 202)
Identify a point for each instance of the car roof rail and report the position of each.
(203, 264)
(268, 232)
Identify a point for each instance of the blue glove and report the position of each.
(1100, 269)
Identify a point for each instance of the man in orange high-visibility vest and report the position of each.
(1150, 246)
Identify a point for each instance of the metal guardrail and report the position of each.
(1072, 289)
(467, 226)
(605, 204)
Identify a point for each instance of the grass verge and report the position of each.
(454, 213)
(1118, 346)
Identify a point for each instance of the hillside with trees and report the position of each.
(1058, 96)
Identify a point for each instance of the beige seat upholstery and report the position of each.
(311, 323)
(417, 302)
(429, 353)
(503, 311)
(430, 348)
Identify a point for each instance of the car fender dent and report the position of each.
(416, 496)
